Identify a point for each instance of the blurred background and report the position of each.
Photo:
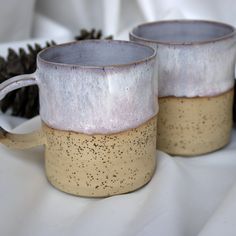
(62, 19)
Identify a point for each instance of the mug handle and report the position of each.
(19, 141)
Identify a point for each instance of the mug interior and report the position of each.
(183, 31)
(97, 53)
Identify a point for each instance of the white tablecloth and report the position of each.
(186, 196)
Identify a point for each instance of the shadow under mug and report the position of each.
(98, 112)
(195, 72)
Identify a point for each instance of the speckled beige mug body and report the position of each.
(100, 165)
(194, 126)
(195, 70)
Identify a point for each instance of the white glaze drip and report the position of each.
(96, 100)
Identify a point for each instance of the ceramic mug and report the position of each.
(98, 112)
(195, 72)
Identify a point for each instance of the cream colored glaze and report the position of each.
(193, 126)
(101, 165)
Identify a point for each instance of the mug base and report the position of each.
(101, 165)
(194, 126)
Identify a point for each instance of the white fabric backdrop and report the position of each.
(18, 19)
(187, 196)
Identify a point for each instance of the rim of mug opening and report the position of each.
(226, 36)
(144, 60)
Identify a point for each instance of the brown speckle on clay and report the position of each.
(194, 126)
(101, 165)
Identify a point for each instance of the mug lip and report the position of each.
(183, 21)
(144, 60)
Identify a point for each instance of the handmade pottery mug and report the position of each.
(195, 71)
(98, 112)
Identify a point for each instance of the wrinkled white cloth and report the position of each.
(16, 19)
(186, 196)
(19, 19)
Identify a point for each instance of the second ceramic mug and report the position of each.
(98, 109)
(195, 71)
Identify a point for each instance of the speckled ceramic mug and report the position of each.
(98, 112)
(195, 72)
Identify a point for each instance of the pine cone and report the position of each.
(22, 102)
(93, 34)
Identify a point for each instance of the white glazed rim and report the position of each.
(224, 37)
(112, 66)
